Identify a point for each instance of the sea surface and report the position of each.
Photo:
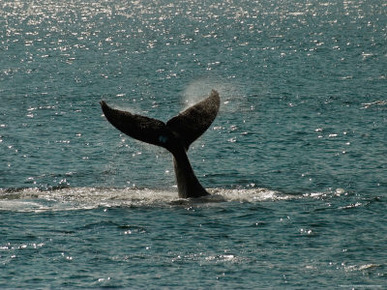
(295, 160)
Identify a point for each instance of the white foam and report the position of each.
(90, 197)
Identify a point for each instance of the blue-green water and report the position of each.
(296, 159)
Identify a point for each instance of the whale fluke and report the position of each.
(139, 127)
(194, 121)
(176, 136)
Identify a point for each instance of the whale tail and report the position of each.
(176, 136)
(182, 129)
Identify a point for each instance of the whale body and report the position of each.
(176, 136)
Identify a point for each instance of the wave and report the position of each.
(34, 199)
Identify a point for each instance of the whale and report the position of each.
(176, 136)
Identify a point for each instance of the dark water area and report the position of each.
(278, 242)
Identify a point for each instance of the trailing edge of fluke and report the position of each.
(176, 136)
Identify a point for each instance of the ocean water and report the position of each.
(295, 160)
